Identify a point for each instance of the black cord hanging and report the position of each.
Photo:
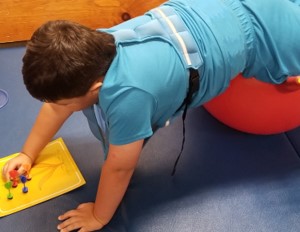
(194, 84)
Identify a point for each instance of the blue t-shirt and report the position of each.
(145, 84)
(147, 80)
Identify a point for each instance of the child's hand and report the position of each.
(81, 219)
(22, 163)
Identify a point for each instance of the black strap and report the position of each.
(194, 84)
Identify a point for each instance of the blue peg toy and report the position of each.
(24, 180)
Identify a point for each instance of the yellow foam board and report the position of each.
(53, 174)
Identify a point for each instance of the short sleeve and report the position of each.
(129, 116)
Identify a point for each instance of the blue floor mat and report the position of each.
(226, 181)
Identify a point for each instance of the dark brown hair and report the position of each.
(63, 59)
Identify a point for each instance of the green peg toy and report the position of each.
(8, 186)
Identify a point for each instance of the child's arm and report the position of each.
(115, 177)
(49, 120)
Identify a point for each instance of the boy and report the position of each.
(132, 78)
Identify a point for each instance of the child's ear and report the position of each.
(96, 86)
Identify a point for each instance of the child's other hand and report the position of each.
(22, 163)
(81, 219)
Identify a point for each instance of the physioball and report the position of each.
(252, 106)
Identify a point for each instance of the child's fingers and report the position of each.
(5, 171)
(67, 215)
(25, 169)
(21, 170)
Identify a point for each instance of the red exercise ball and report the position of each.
(256, 107)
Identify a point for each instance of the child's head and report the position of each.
(63, 59)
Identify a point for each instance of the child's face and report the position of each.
(79, 103)
(82, 102)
